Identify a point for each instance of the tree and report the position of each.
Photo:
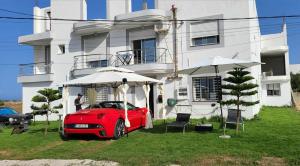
(295, 82)
(45, 97)
(239, 87)
(1, 103)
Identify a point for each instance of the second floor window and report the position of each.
(205, 33)
(137, 5)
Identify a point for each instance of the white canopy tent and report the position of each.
(118, 79)
(216, 64)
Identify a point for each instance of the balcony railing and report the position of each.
(123, 58)
(91, 61)
(143, 56)
(34, 69)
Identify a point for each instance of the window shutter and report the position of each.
(95, 44)
(204, 29)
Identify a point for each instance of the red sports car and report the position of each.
(105, 120)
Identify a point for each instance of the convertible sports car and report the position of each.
(105, 120)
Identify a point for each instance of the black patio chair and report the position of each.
(182, 121)
(231, 118)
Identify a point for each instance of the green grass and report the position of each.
(275, 134)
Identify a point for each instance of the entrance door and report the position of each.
(151, 100)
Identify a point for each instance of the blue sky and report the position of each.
(11, 53)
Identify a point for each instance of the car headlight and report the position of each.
(11, 120)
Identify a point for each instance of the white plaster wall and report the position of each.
(283, 100)
(30, 90)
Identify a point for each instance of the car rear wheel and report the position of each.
(119, 129)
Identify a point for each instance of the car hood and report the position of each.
(95, 111)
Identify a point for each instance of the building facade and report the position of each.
(148, 42)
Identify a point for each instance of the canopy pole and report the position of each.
(124, 88)
(149, 123)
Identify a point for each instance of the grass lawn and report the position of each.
(273, 138)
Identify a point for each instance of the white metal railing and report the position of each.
(34, 69)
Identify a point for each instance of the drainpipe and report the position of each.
(174, 11)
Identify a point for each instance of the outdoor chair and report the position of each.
(231, 118)
(182, 121)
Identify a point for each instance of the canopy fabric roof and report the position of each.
(111, 75)
(224, 64)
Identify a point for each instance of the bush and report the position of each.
(295, 82)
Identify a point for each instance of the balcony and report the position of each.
(43, 38)
(87, 64)
(270, 77)
(35, 72)
(90, 27)
(273, 44)
(141, 18)
(143, 61)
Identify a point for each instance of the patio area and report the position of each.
(271, 138)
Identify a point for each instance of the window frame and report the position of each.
(61, 49)
(214, 87)
(192, 40)
(273, 94)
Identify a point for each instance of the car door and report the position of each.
(134, 117)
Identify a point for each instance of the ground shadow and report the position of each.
(160, 128)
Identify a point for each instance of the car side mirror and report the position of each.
(213, 105)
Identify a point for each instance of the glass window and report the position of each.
(205, 89)
(273, 89)
(202, 41)
(137, 5)
(144, 51)
(61, 49)
(204, 33)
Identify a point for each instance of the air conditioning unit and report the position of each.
(182, 93)
(162, 27)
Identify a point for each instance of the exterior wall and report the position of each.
(283, 100)
(30, 90)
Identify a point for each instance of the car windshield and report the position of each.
(112, 104)
(7, 111)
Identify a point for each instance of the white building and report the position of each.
(65, 50)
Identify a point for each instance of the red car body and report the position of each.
(102, 122)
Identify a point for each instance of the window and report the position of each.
(137, 5)
(144, 51)
(61, 49)
(205, 88)
(204, 33)
(96, 9)
(96, 64)
(273, 89)
(102, 93)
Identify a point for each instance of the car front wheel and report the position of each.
(119, 129)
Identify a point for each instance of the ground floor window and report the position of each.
(205, 88)
(102, 93)
(273, 89)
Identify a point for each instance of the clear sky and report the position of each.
(11, 53)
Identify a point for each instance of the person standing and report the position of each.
(78, 102)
